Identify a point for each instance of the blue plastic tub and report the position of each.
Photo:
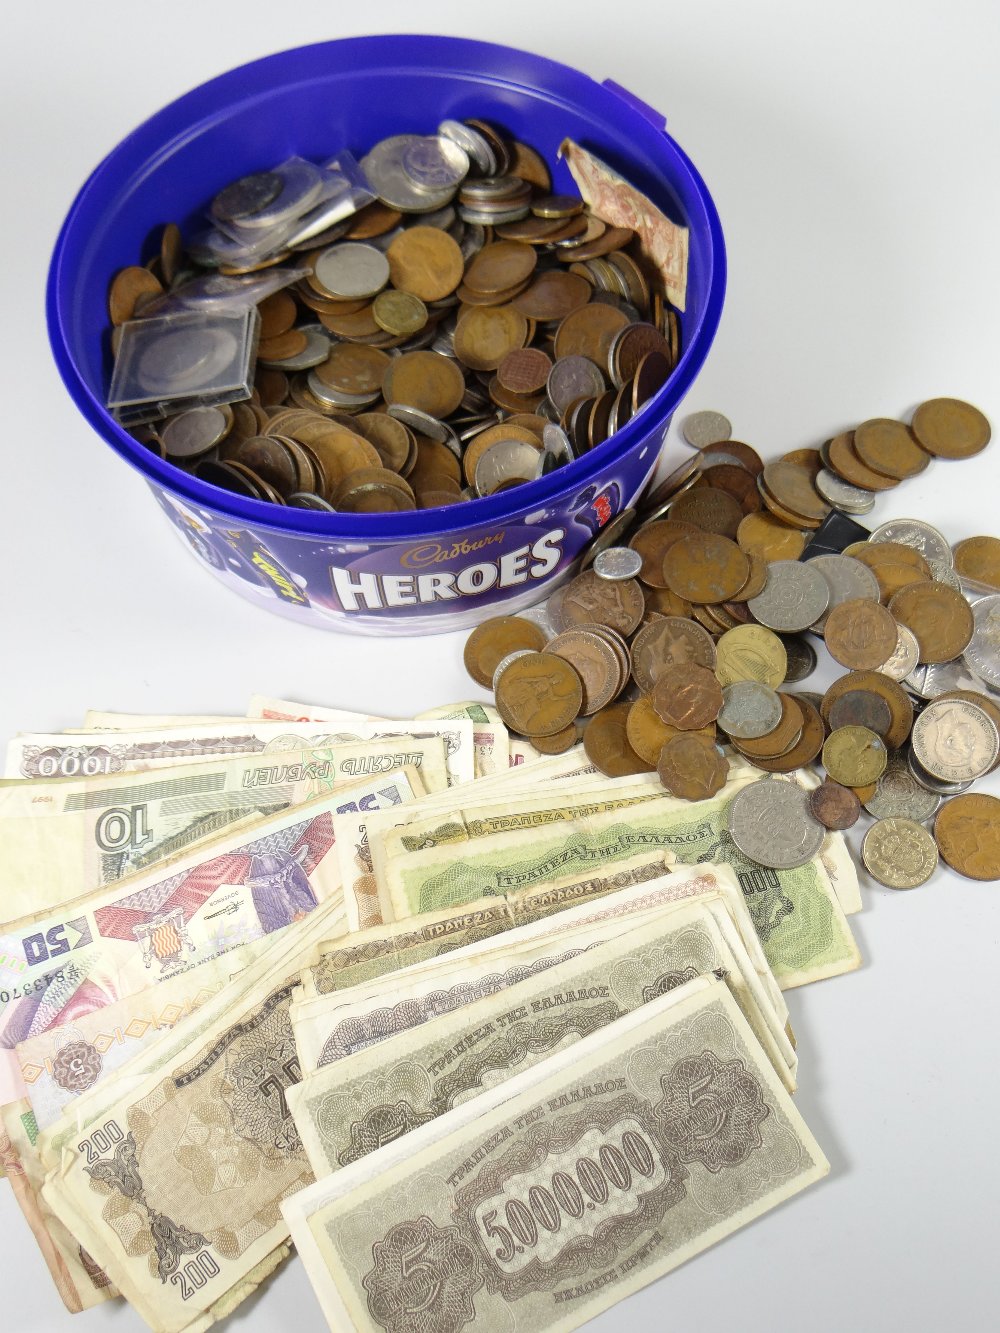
(418, 572)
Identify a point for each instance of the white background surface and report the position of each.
(852, 150)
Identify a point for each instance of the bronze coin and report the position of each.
(769, 537)
(277, 314)
(128, 286)
(756, 579)
(559, 742)
(652, 541)
(270, 459)
(940, 618)
(781, 740)
(704, 567)
(810, 459)
(524, 370)
(375, 219)
(967, 832)
(353, 368)
(426, 262)
(630, 348)
(612, 238)
(792, 487)
(283, 346)
(539, 694)
(500, 265)
(272, 385)
(779, 510)
(743, 453)
(528, 165)
(491, 641)
(805, 748)
(736, 481)
(662, 602)
(357, 324)
(652, 373)
(979, 558)
(594, 661)
(861, 708)
(845, 462)
(486, 335)
(433, 457)
(669, 641)
(710, 510)
(590, 600)
(893, 693)
(589, 332)
(648, 733)
(553, 295)
(835, 807)
(687, 697)
(860, 633)
(949, 428)
(692, 767)
(889, 447)
(393, 441)
(427, 381)
(606, 744)
(373, 491)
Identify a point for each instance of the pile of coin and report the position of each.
(465, 332)
(695, 628)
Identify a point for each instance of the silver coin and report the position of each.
(794, 597)
(301, 187)
(915, 681)
(351, 269)
(898, 795)
(472, 142)
(943, 677)
(904, 657)
(921, 536)
(556, 442)
(617, 562)
(983, 653)
(573, 377)
(192, 433)
(749, 709)
(842, 495)
(770, 822)
(243, 198)
(847, 580)
(387, 176)
(336, 398)
(899, 853)
(309, 500)
(942, 573)
(503, 462)
(611, 534)
(424, 424)
(315, 352)
(955, 740)
(540, 616)
(704, 428)
(930, 783)
(435, 163)
(180, 362)
(800, 658)
(505, 662)
(716, 459)
(494, 217)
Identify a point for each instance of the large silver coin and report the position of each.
(704, 428)
(847, 580)
(921, 536)
(749, 709)
(931, 783)
(192, 433)
(794, 597)
(842, 495)
(435, 163)
(387, 176)
(472, 143)
(800, 658)
(573, 377)
(899, 853)
(898, 795)
(770, 822)
(955, 740)
(183, 361)
(242, 199)
(352, 270)
(983, 653)
(943, 677)
(505, 462)
(904, 657)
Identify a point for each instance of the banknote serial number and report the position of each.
(31, 987)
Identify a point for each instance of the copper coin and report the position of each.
(539, 694)
(860, 633)
(353, 368)
(805, 748)
(704, 567)
(283, 347)
(589, 332)
(631, 346)
(967, 832)
(375, 219)
(426, 262)
(845, 462)
(692, 767)
(735, 449)
(835, 807)
(528, 165)
(491, 641)
(606, 743)
(390, 437)
(940, 618)
(277, 313)
(128, 287)
(486, 335)
(782, 739)
(810, 459)
(979, 558)
(792, 487)
(663, 602)
(524, 370)
(612, 238)
(648, 733)
(594, 661)
(590, 600)
(893, 693)
(949, 428)
(710, 510)
(399, 313)
(374, 491)
(889, 447)
(559, 742)
(271, 459)
(425, 380)
(861, 708)
(500, 265)
(669, 641)
(769, 537)
(736, 481)
(652, 541)
(553, 295)
(756, 579)
(687, 697)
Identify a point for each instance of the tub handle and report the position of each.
(656, 118)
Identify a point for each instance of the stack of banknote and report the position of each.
(493, 1039)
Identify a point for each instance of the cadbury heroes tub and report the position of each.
(411, 572)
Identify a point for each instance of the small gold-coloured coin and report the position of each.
(606, 743)
(128, 288)
(949, 428)
(539, 694)
(888, 447)
(767, 536)
(751, 652)
(493, 640)
(940, 618)
(967, 832)
(424, 380)
(692, 766)
(860, 633)
(899, 853)
(426, 262)
(854, 756)
(687, 697)
(399, 313)
(704, 567)
(979, 558)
